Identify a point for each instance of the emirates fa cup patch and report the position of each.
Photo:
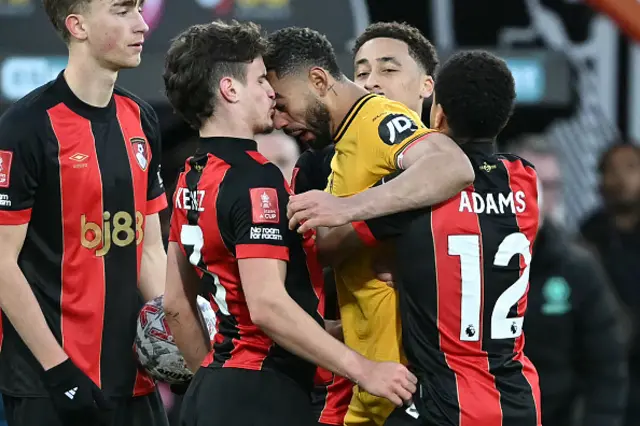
(141, 152)
(264, 205)
(5, 168)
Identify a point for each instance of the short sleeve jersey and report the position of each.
(83, 179)
(462, 274)
(230, 204)
(369, 144)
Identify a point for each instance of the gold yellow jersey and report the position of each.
(369, 145)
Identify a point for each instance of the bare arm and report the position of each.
(336, 244)
(19, 303)
(181, 308)
(273, 310)
(154, 260)
(435, 170)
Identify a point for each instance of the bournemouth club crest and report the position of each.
(141, 152)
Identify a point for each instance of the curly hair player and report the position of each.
(397, 61)
(373, 137)
(462, 266)
(230, 239)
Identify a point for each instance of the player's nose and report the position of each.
(271, 93)
(279, 122)
(372, 85)
(141, 25)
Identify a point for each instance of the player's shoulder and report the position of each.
(27, 114)
(254, 170)
(389, 121)
(386, 106)
(512, 158)
(146, 110)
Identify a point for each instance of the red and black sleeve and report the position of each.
(253, 204)
(378, 229)
(21, 160)
(156, 197)
(178, 216)
(382, 228)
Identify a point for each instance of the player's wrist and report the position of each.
(358, 207)
(355, 366)
(54, 360)
(353, 210)
(59, 373)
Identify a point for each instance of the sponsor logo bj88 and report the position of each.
(118, 229)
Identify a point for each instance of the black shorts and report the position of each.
(139, 411)
(238, 397)
(399, 417)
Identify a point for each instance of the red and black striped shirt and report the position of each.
(462, 270)
(230, 203)
(83, 179)
(331, 394)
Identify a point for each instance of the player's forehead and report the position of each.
(286, 87)
(383, 50)
(108, 4)
(256, 68)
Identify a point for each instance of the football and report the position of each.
(154, 344)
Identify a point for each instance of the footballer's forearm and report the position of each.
(153, 265)
(186, 328)
(21, 307)
(180, 304)
(291, 327)
(436, 170)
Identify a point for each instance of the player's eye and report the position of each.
(122, 12)
(388, 70)
(362, 74)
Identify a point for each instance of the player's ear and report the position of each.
(426, 89)
(76, 26)
(228, 90)
(438, 119)
(319, 80)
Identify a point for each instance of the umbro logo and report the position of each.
(78, 156)
(71, 393)
(80, 160)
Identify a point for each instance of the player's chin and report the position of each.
(131, 61)
(266, 128)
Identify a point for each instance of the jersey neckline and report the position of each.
(217, 144)
(348, 119)
(82, 108)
